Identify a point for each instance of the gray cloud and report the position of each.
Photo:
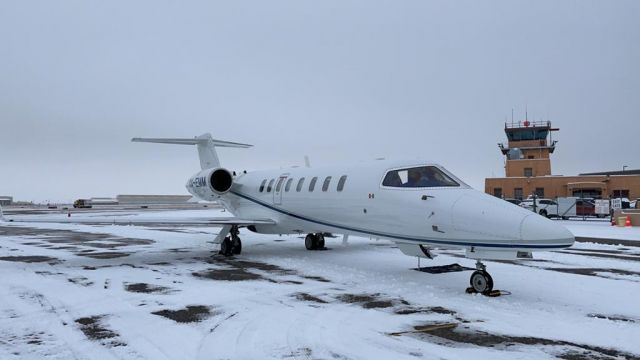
(339, 81)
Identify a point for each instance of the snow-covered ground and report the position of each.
(129, 292)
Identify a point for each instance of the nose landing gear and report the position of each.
(481, 282)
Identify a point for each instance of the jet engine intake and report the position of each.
(210, 184)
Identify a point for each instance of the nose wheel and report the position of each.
(481, 282)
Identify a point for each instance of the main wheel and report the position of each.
(319, 241)
(236, 246)
(225, 247)
(310, 242)
(481, 281)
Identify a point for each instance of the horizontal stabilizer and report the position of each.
(206, 147)
(191, 141)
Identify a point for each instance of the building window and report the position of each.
(528, 172)
(312, 184)
(621, 194)
(270, 186)
(264, 182)
(497, 192)
(341, 182)
(299, 186)
(531, 157)
(288, 186)
(517, 193)
(539, 192)
(325, 185)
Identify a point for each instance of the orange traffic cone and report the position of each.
(613, 221)
(627, 222)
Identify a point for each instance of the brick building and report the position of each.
(528, 169)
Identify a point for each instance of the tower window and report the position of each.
(528, 172)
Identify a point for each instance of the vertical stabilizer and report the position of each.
(206, 147)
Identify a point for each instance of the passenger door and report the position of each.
(277, 193)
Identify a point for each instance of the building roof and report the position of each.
(616, 172)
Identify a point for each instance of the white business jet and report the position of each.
(419, 205)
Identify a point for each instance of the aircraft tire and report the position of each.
(225, 247)
(310, 242)
(319, 241)
(236, 246)
(481, 282)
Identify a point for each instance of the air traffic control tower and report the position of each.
(529, 147)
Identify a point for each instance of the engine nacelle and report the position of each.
(210, 184)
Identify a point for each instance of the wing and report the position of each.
(134, 220)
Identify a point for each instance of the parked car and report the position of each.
(513, 201)
(542, 206)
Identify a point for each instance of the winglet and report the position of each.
(206, 147)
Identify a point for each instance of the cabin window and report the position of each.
(270, 186)
(325, 185)
(341, 182)
(312, 184)
(288, 186)
(279, 185)
(418, 177)
(300, 183)
(264, 182)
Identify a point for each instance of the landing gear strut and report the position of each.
(481, 281)
(231, 245)
(314, 241)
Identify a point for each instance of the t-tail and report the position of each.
(206, 147)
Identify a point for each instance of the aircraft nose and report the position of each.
(539, 230)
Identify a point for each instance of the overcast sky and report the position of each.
(340, 81)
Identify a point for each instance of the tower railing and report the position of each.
(527, 124)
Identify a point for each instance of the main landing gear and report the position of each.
(314, 241)
(481, 281)
(231, 245)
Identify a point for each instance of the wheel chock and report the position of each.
(492, 293)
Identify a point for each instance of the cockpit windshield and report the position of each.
(418, 177)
